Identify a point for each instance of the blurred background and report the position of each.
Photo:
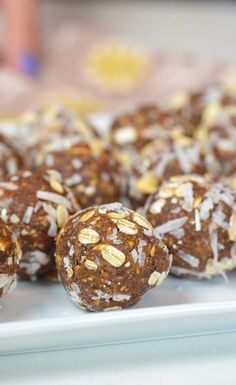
(106, 55)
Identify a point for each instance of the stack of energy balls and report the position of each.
(111, 216)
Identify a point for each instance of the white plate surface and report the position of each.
(39, 316)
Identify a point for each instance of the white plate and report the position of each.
(39, 316)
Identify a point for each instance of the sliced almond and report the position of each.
(88, 235)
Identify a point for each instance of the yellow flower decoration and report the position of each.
(118, 66)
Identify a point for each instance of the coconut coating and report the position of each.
(197, 221)
(10, 159)
(108, 257)
(35, 204)
(162, 159)
(135, 130)
(10, 254)
(92, 171)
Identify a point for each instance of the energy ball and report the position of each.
(197, 221)
(108, 257)
(53, 122)
(132, 132)
(10, 254)
(93, 172)
(195, 109)
(35, 205)
(162, 159)
(10, 159)
(220, 136)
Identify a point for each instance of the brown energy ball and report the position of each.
(132, 132)
(92, 171)
(10, 160)
(10, 254)
(108, 258)
(197, 221)
(220, 135)
(158, 161)
(35, 205)
(194, 109)
(51, 122)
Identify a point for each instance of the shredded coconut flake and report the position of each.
(73, 180)
(8, 186)
(52, 231)
(113, 206)
(172, 225)
(28, 214)
(178, 233)
(197, 220)
(53, 197)
(188, 258)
